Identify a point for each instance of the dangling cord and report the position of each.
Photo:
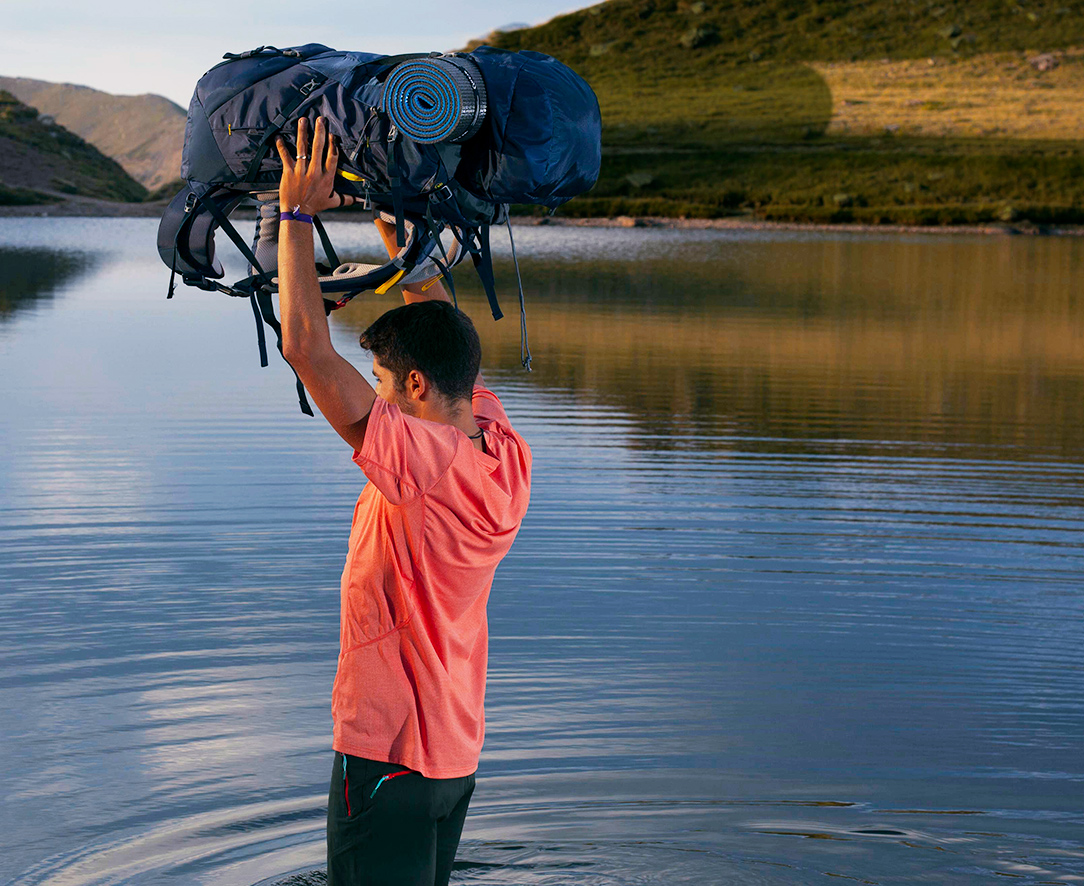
(524, 348)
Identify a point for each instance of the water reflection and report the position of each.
(30, 276)
(967, 345)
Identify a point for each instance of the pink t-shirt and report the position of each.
(430, 527)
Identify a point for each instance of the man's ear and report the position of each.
(417, 385)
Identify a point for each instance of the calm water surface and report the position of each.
(799, 595)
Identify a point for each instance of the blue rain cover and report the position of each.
(542, 140)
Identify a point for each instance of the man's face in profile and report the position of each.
(387, 390)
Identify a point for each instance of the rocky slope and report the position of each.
(42, 162)
(143, 133)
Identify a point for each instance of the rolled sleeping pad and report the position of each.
(440, 99)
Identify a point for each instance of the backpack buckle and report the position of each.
(441, 193)
(200, 282)
(190, 201)
(310, 86)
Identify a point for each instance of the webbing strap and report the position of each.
(260, 340)
(396, 188)
(483, 264)
(272, 50)
(325, 241)
(281, 119)
(173, 263)
(445, 268)
(267, 309)
(238, 241)
(390, 61)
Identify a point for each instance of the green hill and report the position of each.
(892, 110)
(42, 162)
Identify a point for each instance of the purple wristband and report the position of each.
(295, 215)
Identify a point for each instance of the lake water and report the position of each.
(800, 594)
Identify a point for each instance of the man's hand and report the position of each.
(308, 181)
(340, 392)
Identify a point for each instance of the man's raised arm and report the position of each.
(307, 187)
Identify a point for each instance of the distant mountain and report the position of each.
(41, 161)
(143, 133)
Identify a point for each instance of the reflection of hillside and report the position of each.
(29, 275)
(976, 342)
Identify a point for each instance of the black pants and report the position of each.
(390, 826)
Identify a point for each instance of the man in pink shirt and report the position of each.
(449, 481)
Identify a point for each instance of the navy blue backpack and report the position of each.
(434, 143)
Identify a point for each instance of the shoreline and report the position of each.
(85, 207)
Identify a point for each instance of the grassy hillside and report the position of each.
(42, 162)
(144, 133)
(894, 110)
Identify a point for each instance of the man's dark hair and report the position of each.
(433, 337)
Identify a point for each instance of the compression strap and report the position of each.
(483, 263)
(316, 80)
(261, 341)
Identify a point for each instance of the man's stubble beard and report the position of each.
(405, 404)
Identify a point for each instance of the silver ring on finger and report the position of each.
(302, 156)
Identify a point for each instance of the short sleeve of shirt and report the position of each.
(487, 407)
(404, 456)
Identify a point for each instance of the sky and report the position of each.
(136, 46)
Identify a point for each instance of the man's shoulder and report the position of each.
(487, 407)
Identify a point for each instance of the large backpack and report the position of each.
(522, 128)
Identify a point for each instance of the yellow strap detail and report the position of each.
(229, 129)
(386, 286)
(350, 177)
(430, 283)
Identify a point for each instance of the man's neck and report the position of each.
(459, 415)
